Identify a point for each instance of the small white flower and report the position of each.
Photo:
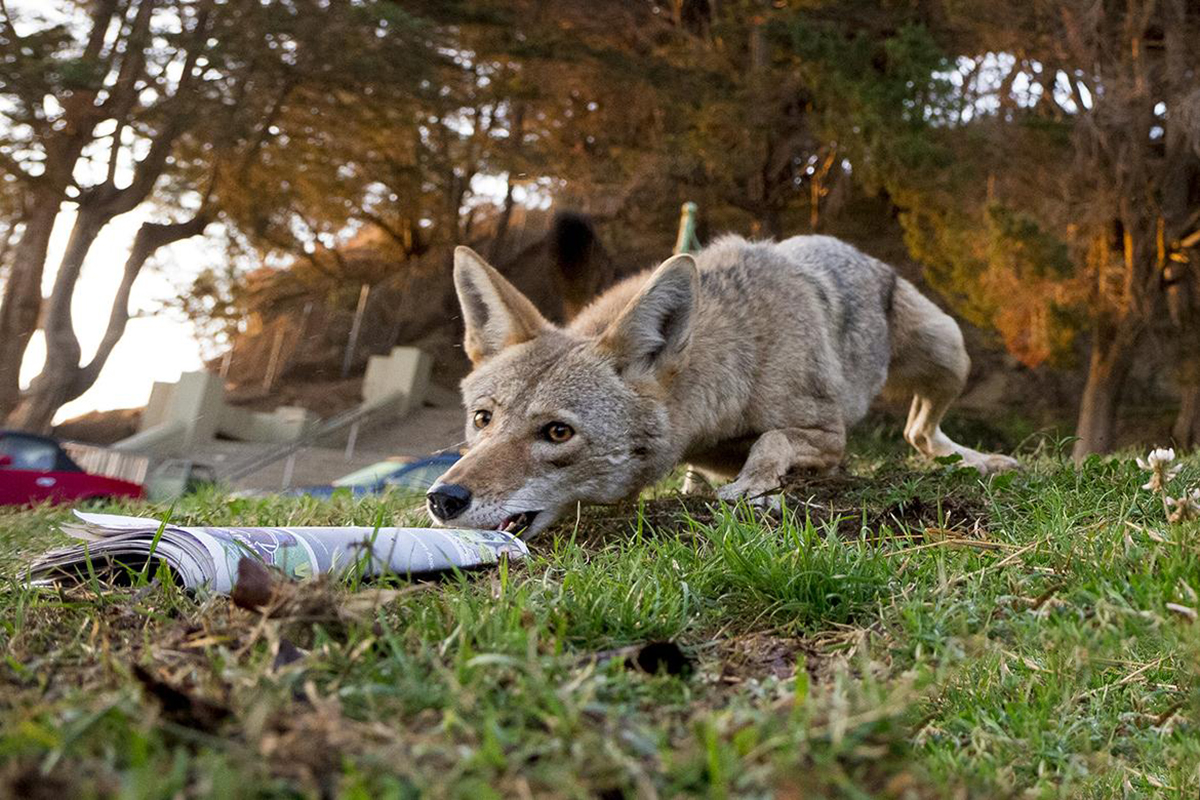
(1184, 508)
(1161, 455)
(1159, 464)
(1159, 480)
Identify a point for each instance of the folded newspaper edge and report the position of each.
(208, 556)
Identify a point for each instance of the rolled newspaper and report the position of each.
(208, 556)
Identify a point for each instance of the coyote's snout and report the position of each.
(747, 362)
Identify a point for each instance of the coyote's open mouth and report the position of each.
(517, 522)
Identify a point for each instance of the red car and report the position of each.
(34, 469)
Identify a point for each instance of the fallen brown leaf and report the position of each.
(254, 585)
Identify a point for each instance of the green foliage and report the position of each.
(875, 94)
(618, 109)
(797, 575)
(1033, 653)
(1033, 251)
(1009, 154)
(944, 241)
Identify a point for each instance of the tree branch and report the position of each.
(151, 237)
(400, 237)
(8, 23)
(147, 171)
(113, 153)
(14, 167)
(123, 95)
(264, 130)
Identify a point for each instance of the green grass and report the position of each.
(908, 632)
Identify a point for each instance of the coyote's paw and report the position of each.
(695, 483)
(990, 463)
(755, 497)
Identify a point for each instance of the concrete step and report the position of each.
(428, 430)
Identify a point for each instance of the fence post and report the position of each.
(351, 441)
(687, 242)
(289, 467)
(355, 327)
(273, 362)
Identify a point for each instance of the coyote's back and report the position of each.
(774, 324)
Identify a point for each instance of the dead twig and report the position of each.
(954, 543)
(1130, 678)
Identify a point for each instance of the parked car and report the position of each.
(398, 475)
(34, 469)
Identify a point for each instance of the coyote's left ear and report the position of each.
(496, 314)
(652, 333)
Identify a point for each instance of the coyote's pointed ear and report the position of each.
(652, 333)
(496, 314)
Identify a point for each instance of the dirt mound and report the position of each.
(324, 397)
(101, 427)
(902, 504)
(301, 326)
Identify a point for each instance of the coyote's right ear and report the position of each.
(651, 335)
(496, 314)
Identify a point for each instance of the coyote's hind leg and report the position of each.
(930, 361)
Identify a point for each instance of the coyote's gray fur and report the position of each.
(747, 361)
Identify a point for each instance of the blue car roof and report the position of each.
(327, 490)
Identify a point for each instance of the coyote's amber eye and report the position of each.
(482, 418)
(557, 432)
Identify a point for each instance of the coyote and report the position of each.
(748, 361)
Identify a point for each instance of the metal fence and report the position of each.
(352, 420)
(109, 463)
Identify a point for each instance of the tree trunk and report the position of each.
(772, 223)
(1112, 355)
(62, 346)
(517, 134)
(22, 303)
(1186, 430)
(63, 379)
(1184, 304)
(502, 222)
(10, 233)
(61, 342)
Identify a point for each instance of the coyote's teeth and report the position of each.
(517, 522)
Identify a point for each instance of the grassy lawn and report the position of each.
(906, 631)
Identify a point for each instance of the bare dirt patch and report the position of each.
(899, 505)
(763, 655)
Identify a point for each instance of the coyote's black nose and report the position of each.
(448, 500)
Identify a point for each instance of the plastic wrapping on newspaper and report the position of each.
(208, 556)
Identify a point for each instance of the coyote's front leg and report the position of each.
(780, 451)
